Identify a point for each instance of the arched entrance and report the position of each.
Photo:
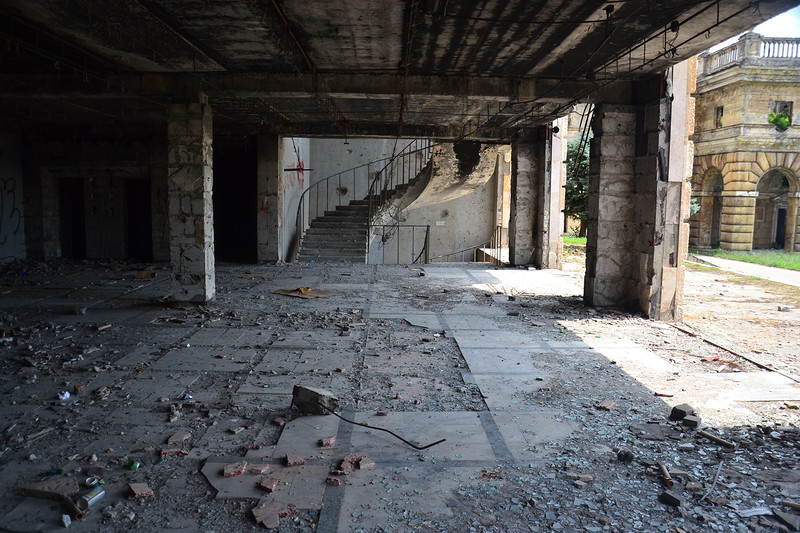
(775, 208)
(709, 216)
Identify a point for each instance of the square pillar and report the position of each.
(527, 162)
(638, 203)
(610, 224)
(191, 214)
(268, 172)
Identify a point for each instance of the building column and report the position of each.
(638, 200)
(268, 173)
(534, 233)
(191, 214)
(610, 224)
(738, 217)
(793, 223)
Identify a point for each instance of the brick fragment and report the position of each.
(382, 413)
(179, 437)
(294, 460)
(366, 464)
(173, 452)
(251, 446)
(333, 480)
(691, 421)
(269, 484)
(679, 412)
(268, 514)
(606, 405)
(234, 469)
(278, 421)
(327, 442)
(259, 469)
(670, 499)
(314, 401)
(141, 490)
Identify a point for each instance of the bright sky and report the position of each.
(784, 25)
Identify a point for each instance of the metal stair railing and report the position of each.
(390, 171)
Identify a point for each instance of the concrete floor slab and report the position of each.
(504, 392)
(413, 491)
(752, 386)
(493, 339)
(515, 361)
(202, 358)
(302, 437)
(466, 439)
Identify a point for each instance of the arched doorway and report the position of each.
(709, 216)
(773, 210)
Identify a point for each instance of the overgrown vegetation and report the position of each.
(774, 258)
(572, 239)
(576, 190)
(781, 120)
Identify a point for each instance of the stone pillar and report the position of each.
(527, 158)
(191, 214)
(793, 224)
(738, 217)
(268, 172)
(637, 237)
(610, 224)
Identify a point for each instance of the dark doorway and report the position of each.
(72, 218)
(235, 168)
(780, 231)
(139, 220)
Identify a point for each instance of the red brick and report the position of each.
(366, 464)
(173, 452)
(235, 469)
(259, 469)
(269, 484)
(141, 490)
(294, 460)
(327, 442)
(332, 480)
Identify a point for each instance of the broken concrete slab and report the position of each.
(314, 401)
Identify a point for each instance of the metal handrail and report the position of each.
(395, 232)
(495, 243)
(346, 196)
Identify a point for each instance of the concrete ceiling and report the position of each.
(440, 68)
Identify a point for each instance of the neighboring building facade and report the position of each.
(746, 177)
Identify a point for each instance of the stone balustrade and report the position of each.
(751, 48)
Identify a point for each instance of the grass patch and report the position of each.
(773, 258)
(570, 239)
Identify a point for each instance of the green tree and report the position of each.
(576, 193)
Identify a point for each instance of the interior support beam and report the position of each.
(191, 213)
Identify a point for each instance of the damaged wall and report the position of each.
(458, 202)
(293, 153)
(12, 227)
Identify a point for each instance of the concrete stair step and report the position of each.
(322, 224)
(340, 259)
(331, 252)
(334, 245)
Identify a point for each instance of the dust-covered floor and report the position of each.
(555, 415)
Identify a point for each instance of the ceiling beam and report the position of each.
(344, 86)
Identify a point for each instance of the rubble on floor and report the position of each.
(548, 416)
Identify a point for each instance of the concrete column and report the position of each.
(267, 190)
(738, 217)
(638, 202)
(610, 226)
(191, 214)
(535, 204)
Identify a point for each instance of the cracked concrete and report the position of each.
(492, 360)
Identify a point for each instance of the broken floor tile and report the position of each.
(179, 437)
(234, 469)
(269, 484)
(292, 459)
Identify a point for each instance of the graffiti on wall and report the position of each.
(10, 215)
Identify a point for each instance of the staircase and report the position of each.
(342, 233)
(338, 235)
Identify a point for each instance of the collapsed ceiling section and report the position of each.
(440, 68)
